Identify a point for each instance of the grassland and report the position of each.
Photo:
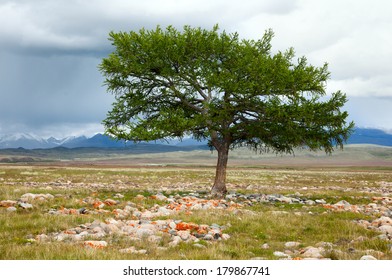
(306, 176)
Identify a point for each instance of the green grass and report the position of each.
(249, 228)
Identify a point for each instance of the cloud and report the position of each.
(50, 50)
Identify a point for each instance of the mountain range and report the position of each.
(30, 141)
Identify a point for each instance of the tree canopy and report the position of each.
(213, 85)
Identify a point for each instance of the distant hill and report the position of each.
(30, 141)
(370, 136)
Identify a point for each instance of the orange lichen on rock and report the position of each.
(95, 244)
(187, 226)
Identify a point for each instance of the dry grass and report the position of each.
(249, 229)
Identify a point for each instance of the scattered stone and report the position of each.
(11, 209)
(184, 234)
(8, 203)
(138, 223)
(110, 202)
(95, 244)
(368, 258)
(118, 195)
(25, 205)
(40, 196)
(386, 229)
(281, 254)
(312, 252)
(265, 246)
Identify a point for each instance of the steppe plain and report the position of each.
(78, 204)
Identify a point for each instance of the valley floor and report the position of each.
(119, 211)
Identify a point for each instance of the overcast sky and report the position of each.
(50, 50)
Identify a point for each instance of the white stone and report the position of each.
(197, 206)
(164, 211)
(25, 205)
(172, 225)
(386, 229)
(143, 232)
(265, 246)
(280, 254)
(184, 234)
(11, 209)
(176, 240)
(27, 197)
(312, 252)
(368, 258)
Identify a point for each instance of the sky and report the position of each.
(50, 51)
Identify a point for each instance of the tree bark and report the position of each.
(219, 188)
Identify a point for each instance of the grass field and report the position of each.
(257, 229)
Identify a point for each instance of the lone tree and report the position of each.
(213, 85)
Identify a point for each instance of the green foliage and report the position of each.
(214, 85)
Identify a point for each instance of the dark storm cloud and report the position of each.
(50, 50)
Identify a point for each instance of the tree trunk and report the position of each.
(219, 188)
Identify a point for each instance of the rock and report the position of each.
(11, 209)
(118, 195)
(342, 204)
(199, 246)
(368, 258)
(265, 246)
(176, 240)
(159, 197)
(208, 237)
(292, 244)
(42, 238)
(285, 199)
(144, 232)
(110, 202)
(82, 211)
(8, 203)
(196, 207)
(164, 211)
(326, 245)
(382, 221)
(25, 205)
(320, 201)
(386, 229)
(280, 254)
(312, 252)
(310, 202)
(146, 215)
(95, 244)
(184, 234)
(27, 197)
(172, 225)
(30, 196)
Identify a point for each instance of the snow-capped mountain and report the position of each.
(32, 141)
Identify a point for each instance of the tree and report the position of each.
(213, 85)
